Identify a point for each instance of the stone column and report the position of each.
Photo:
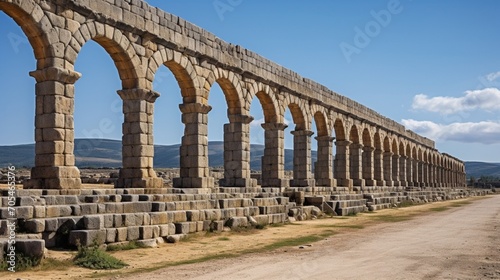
(395, 170)
(409, 171)
(431, 175)
(302, 176)
(342, 164)
(425, 167)
(137, 141)
(237, 153)
(194, 171)
(324, 165)
(355, 164)
(420, 172)
(378, 163)
(54, 130)
(415, 173)
(402, 171)
(368, 170)
(273, 161)
(439, 178)
(388, 169)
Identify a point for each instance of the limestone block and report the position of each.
(121, 234)
(93, 221)
(88, 209)
(51, 224)
(87, 237)
(35, 225)
(133, 233)
(23, 212)
(111, 234)
(118, 221)
(179, 216)
(146, 232)
(193, 215)
(108, 220)
(159, 218)
(38, 211)
(31, 247)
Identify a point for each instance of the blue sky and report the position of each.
(433, 66)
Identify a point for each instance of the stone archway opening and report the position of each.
(18, 88)
(98, 113)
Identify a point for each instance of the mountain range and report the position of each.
(107, 153)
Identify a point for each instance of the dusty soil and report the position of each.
(445, 240)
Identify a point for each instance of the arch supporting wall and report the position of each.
(357, 147)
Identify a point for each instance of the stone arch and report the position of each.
(402, 150)
(297, 110)
(182, 69)
(321, 123)
(36, 26)
(354, 134)
(376, 141)
(339, 129)
(394, 147)
(268, 101)
(230, 85)
(115, 43)
(387, 144)
(367, 139)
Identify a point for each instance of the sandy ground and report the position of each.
(462, 242)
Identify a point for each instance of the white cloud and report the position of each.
(485, 132)
(485, 99)
(493, 76)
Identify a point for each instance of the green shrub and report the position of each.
(95, 258)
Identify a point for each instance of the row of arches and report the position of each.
(365, 153)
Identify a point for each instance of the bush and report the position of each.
(95, 258)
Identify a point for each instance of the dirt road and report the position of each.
(458, 243)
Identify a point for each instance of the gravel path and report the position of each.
(459, 243)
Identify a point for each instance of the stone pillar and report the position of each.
(237, 153)
(137, 141)
(402, 171)
(302, 176)
(439, 177)
(368, 170)
(420, 172)
(378, 164)
(342, 164)
(431, 175)
(324, 165)
(388, 169)
(194, 171)
(395, 170)
(415, 172)
(409, 172)
(273, 161)
(425, 174)
(355, 164)
(54, 130)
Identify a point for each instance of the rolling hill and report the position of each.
(107, 153)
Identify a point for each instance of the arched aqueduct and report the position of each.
(369, 149)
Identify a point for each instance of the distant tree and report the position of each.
(472, 180)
